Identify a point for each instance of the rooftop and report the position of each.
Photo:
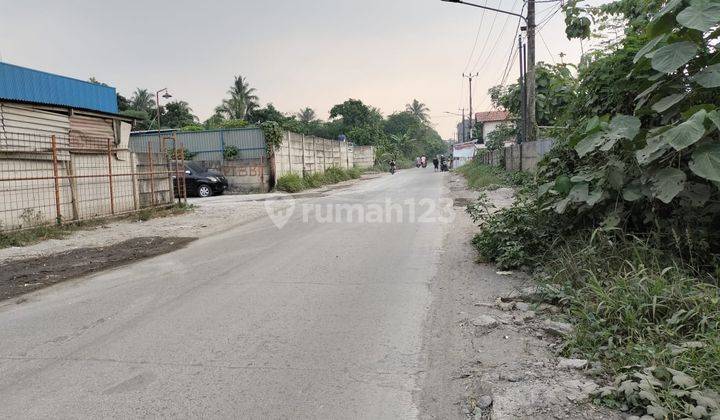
(22, 84)
(492, 116)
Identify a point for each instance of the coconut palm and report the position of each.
(142, 100)
(306, 115)
(242, 101)
(418, 109)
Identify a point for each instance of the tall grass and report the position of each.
(635, 308)
(293, 183)
(482, 177)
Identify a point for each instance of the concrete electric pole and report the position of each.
(531, 131)
(471, 116)
(531, 134)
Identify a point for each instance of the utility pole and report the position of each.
(523, 110)
(529, 20)
(530, 77)
(471, 116)
(462, 122)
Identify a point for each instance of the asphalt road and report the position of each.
(322, 318)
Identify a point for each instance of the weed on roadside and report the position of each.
(652, 322)
(488, 177)
(293, 183)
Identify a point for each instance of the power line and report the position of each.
(477, 37)
(547, 18)
(494, 47)
(509, 65)
(487, 59)
(492, 25)
(552, 57)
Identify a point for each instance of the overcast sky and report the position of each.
(295, 53)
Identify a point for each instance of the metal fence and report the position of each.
(211, 145)
(47, 179)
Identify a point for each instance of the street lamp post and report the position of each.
(167, 95)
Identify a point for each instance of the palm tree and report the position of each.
(242, 101)
(402, 144)
(306, 115)
(418, 109)
(142, 100)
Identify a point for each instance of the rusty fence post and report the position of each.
(168, 168)
(56, 179)
(110, 176)
(133, 179)
(152, 173)
(182, 160)
(176, 186)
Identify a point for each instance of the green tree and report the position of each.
(419, 110)
(177, 114)
(269, 113)
(353, 112)
(142, 100)
(555, 88)
(242, 100)
(401, 122)
(306, 115)
(123, 103)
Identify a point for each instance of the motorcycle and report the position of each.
(392, 170)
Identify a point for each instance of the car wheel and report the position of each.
(204, 190)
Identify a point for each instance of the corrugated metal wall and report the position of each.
(26, 120)
(90, 132)
(206, 145)
(24, 127)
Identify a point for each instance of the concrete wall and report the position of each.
(510, 156)
(303, 154)
(531, 154)
(363, 156)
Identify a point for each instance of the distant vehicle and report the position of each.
(203, 182)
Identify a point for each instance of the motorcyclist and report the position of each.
(392, 166)
(418, 162)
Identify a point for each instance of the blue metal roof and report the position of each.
(27, 85)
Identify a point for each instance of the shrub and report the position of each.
(513, 237)
(335, 174)
(354, 173)
(291, 183)
(230, 153)
(315, 180)
(482, 176)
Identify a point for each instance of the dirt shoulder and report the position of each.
(487, 358)
(18, 277)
